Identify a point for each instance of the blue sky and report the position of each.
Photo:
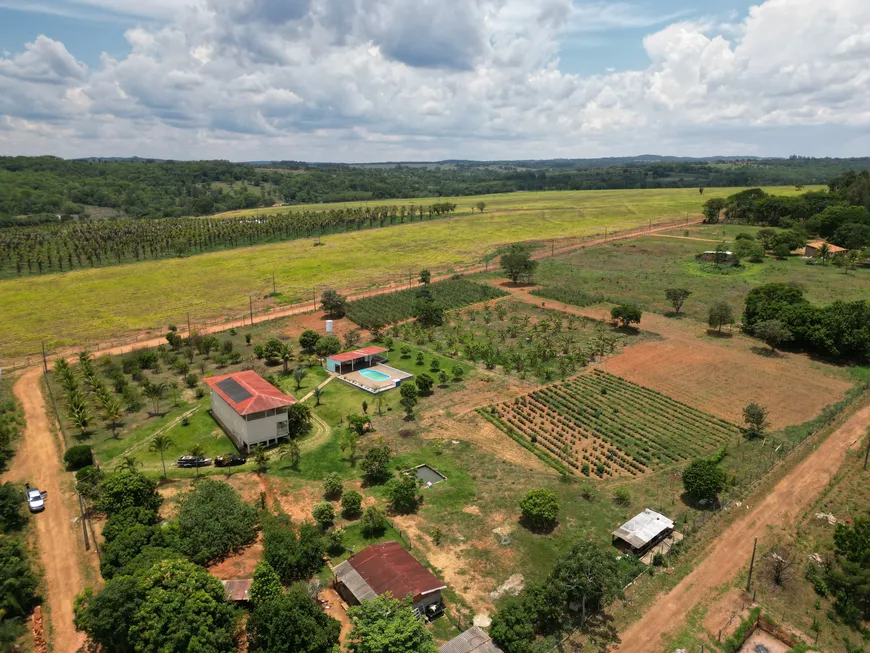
(359, 80)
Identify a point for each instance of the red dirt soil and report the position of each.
(729, 554)
(58, 531)
(717, 375)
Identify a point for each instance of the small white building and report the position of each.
(250, 409)
(642, 532)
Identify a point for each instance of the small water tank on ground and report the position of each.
(330, 326)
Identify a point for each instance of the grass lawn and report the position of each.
(71, 308)
(641, 269)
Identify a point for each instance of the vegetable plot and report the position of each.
(599, 424)
(381, 310)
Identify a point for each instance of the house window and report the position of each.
(283, 429)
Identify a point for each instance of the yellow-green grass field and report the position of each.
(74, 308)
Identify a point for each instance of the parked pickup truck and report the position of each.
(193, 461)
(229, 460)
(35, 499)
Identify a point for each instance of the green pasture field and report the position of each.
(72, 308)
(641, 269)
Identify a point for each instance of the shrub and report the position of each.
(11, 508)
(332, 485)
(626, 314)
(376, 463)
(324, 514)
(191, 380)
(704, 479)
(621, 496)
(292, 622)
(327, 346)
(403, 494)
(351, 504)
(540, 509)
(78, 457)
(374, 522)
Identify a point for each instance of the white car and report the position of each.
(35, 500)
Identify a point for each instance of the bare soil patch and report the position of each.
(761, 641)
(334, 607)
(727, 612)
(241, 564)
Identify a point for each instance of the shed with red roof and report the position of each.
(357, 359)
(250, 409)
(388, 568)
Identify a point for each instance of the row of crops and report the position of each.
(602, 424)
(72, 245)
(381, 310)
(569, 295)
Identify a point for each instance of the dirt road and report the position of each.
(57, 530)
(730, 552)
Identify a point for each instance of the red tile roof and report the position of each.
(348, 356)
(264, 395)
(387, 567)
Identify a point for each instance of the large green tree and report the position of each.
(704, 479)
(517, 263)
(292, 623)
(214, 521)
(294, 552)
(128, 489)
(388, 625)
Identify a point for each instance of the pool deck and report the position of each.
(373, 386)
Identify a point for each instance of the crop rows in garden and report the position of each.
(381, 310)
(600, 424)
(569, 295)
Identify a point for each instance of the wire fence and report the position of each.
(265, 304)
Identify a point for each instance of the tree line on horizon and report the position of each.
(34, 190)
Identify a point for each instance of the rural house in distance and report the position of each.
(250, 409)
(388, 567)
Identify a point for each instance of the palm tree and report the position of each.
(824, 252)
(290, 450)
(298, 374)
(197, 451)
(113, 413)
(286, 355)
(173, 385)
(161, 444)
(128, 464)
(154, 391)
(10, 630)
(318, 392)
(260, 458)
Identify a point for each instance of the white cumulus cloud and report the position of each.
(427, 79)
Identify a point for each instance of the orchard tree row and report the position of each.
(63, 246)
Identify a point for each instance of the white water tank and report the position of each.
(330, 326)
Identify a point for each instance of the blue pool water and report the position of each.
(374, 375)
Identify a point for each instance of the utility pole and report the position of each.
(605, 234)
(251, 300)
(315, 298)
(45, 369)
(751, 564)
(188, 324)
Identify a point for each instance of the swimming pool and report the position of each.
(374, 375)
